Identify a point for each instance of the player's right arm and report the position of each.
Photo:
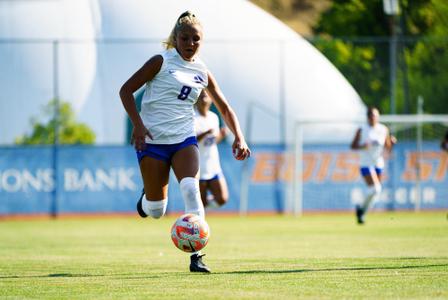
(146, 73)
(202, 135)
(355, 145)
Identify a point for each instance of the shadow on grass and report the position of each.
(165, 274)
(333, 269)
(52, 275)
(66, 275)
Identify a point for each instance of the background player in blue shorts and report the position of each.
(371, 139)
(209, 134)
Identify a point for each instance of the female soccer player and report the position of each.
(372, 139)
(209, 135)
(163, 134)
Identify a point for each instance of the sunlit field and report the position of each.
(319, 256)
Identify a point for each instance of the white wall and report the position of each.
(258, 61)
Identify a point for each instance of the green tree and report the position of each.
(354, 34)
(428, 60)
(70, 131)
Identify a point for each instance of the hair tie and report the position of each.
(185, 14)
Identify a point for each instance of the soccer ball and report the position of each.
(190, 233)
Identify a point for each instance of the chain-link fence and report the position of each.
(82, 79)
(392, 72)
(88, 73)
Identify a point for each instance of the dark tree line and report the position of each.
(355, 36)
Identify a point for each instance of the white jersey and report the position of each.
(167, 105)
(375, 138)
(208, 149)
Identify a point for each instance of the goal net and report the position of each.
(326, 171)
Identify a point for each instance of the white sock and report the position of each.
(189, 187)
(373, 192)
(155, 209)
(211, 202)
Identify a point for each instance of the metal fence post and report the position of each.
(56, 117)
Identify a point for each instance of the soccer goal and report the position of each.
(326, 171)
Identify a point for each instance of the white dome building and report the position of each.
(269, 74)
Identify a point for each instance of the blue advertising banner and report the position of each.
(106, 179)
(332, 181)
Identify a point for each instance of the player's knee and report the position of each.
(378, 188)
(221, 199)
(375, 189)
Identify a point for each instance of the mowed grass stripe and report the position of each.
(325, 256)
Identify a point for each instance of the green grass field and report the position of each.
(322, 256)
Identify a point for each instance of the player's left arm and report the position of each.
(239, 147)
(390, 141)
(221, 135)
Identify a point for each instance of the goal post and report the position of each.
(415, 172)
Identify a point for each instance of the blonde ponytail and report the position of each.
(186, 18)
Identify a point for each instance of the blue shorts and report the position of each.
(213, 178)
(368, 170)
(165, 151)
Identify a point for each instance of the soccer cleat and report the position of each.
(359, 214)
(196, 264)
(139, 206)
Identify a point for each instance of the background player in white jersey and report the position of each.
(209, 135)
(163, 133)
(371, 139)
